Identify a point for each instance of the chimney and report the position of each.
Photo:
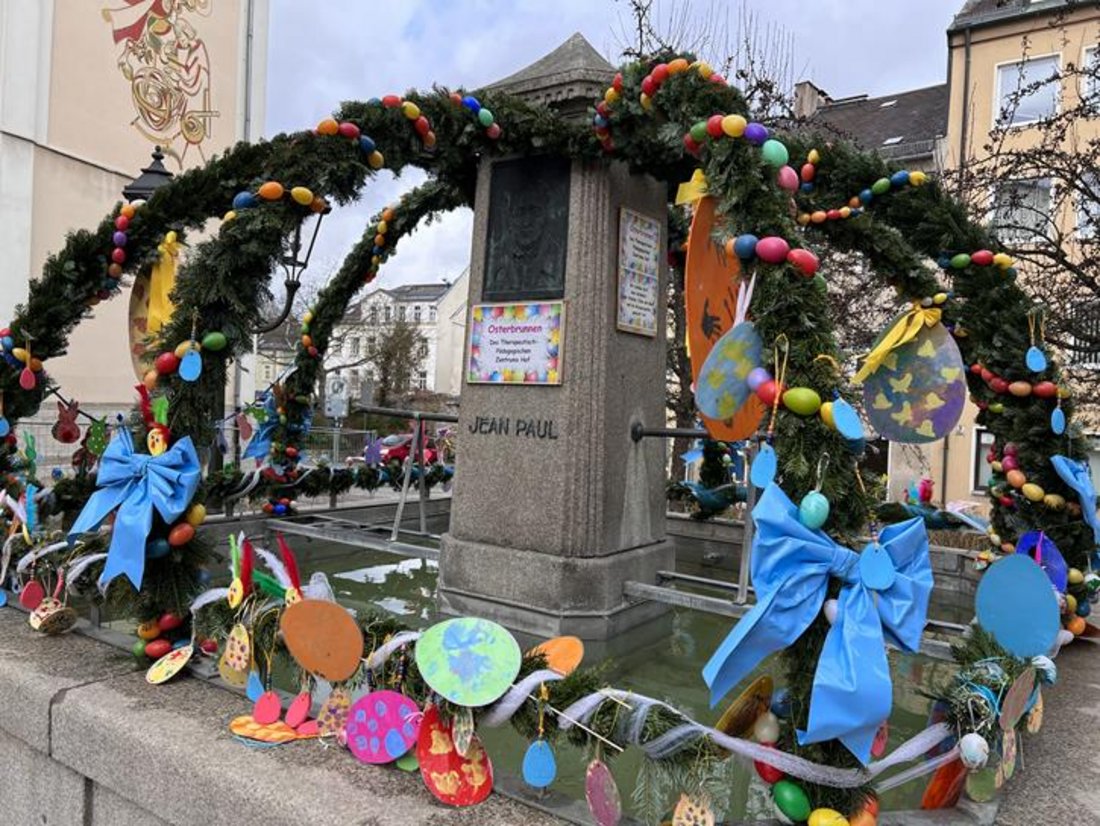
(808, 99)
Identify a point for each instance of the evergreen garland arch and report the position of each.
(222, 285)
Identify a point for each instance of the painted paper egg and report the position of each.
(32, 594)
(918, 392)
(268, 709)
(298, 710)
(468, 660)
(169, 665)
(382, 726)
(973, 751)
(452, 778)
(234, 662)
(323, 638)
(722, 385)
(563, 654)
(692, 811)
(334, 711)
(1012, 588)
(602, 795)
(539, 766)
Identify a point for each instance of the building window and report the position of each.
(1088, 205)
(1027, 90)
(982, 470)
(269, 371)
(431, 314)
(422, 350)
(1085, 336)
(401, 312)
(355, 346)
(1090, 78)
(372, 314)
(387, 314)
(416, 313)
(371, 342)
(1021, 209)
(422, 380)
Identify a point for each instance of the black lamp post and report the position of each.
(152, 178)
(294, 267)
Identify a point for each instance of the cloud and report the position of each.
(320, 54)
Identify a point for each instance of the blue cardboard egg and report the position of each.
(847, 420)
(1036, 359)
(191, 366)
(764, 466)
(722, 387)
(539, 766)
(1058, 421)
(255, 687)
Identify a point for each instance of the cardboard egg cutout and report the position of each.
(323, 638)
(169, 665)
(721, 388)
(918, 393)
(382, 726)
(563, 654)
(602, 795)
(468, 660)
(452, 778)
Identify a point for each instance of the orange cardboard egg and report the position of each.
(323, 638)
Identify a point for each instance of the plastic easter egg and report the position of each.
(138, 649)
(768, 391)
(196, 514)
(539, 766)
(181, 534)
(302, 195)
(881, 186)
(772, 249)
(766, 728)
(166, 363)
(802, 400)
(381, 726)
(768, 773)
(960, 261)
(485, 117)
(1045, 390)
(1033, 492)
(714, 126)
(169, 621)
(734, 125)
(791, 800)
(270, 191)
(155, 649)
(756, 377)
(813, 510)
(328, 127)
(804, 261)
(375, 159)
(973, 751)
(157, 548)
(1054, 501)
(1016, 478)
(828, 817)
(744, 246)
(982, 258)
(148, 631)
(787, 179)
(1020, 389)
(807, 172)
(774, 153)
(756, 133)
(182, 349)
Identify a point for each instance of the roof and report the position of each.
(917, 118)
(975, 13)
(575, 59)
(419, 292)
(283, 338)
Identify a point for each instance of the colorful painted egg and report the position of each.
(169, 665)
(918, 392)
(235, 659)
(563, 654)
(692, 811)
(298, 710)
(468, 660)
(539, 766)
(334, 711)
(267, 709)
(323, 638)
(382, 726)
(602, 795)
(802, 400)
(791, 800)
(722, 387)
(155, 649)
(827, 817)
(452, 778)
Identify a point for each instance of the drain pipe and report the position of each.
(965, 102)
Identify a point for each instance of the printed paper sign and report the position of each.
(639, 284)
(515, 343)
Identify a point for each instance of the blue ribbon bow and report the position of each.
(791, 567)
(135, 483)
(1077, 474)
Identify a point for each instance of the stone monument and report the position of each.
(565, 348)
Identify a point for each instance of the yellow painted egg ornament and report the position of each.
(827, 817)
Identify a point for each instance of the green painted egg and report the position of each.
(791, 800)
(214, 341)
(960, 261)
(802, 400)
(881, 186)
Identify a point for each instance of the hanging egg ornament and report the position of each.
(802, 400)
(539, 766)
(764, 466)
(766, 728)
(1057, 421)
(791, 800)
(973, 751)
(773, 152)
(1036, 359)
(813, 510)
(827, 817)
(191, 365)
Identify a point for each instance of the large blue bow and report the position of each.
(791, 566)
(1077, 474)
(135, 483)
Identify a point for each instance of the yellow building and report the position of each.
(87, 90)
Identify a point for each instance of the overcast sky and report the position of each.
(327, 51)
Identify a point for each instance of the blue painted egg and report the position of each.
(1036, 360)
(847, 420)
(191, 366)
(764, 466)
(471, 103)
(813, 510)
(244, 200)
(1058, 421)
(745, 246)
(899, 178)
(366, 144)
(866, 196)
(539, 766)
(781, 703)
(157, 548)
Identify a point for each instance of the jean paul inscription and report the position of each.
(515, 427)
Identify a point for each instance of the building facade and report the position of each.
(87, 90)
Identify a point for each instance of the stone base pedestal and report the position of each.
(546, 595)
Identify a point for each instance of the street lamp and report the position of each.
(152, 178)
(293, 267)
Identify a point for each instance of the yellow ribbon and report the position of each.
(692, 191)
(162, 280)
(905, 329)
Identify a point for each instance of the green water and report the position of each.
(662, 660)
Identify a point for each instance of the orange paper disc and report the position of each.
(711, 279)
(323, 638)
(563, 654)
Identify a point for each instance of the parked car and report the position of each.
(396, 448)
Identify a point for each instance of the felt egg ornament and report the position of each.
(918, 390)
(382, 726)
(452, 778)
(722, 387)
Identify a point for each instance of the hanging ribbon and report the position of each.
(905, 329)
(260, 445)
(162, 280)
(136, 483)
(791, 566)
(1078, 475)
(691, 192)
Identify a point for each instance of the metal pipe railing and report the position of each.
(639, 431)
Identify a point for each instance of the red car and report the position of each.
(396, 448)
